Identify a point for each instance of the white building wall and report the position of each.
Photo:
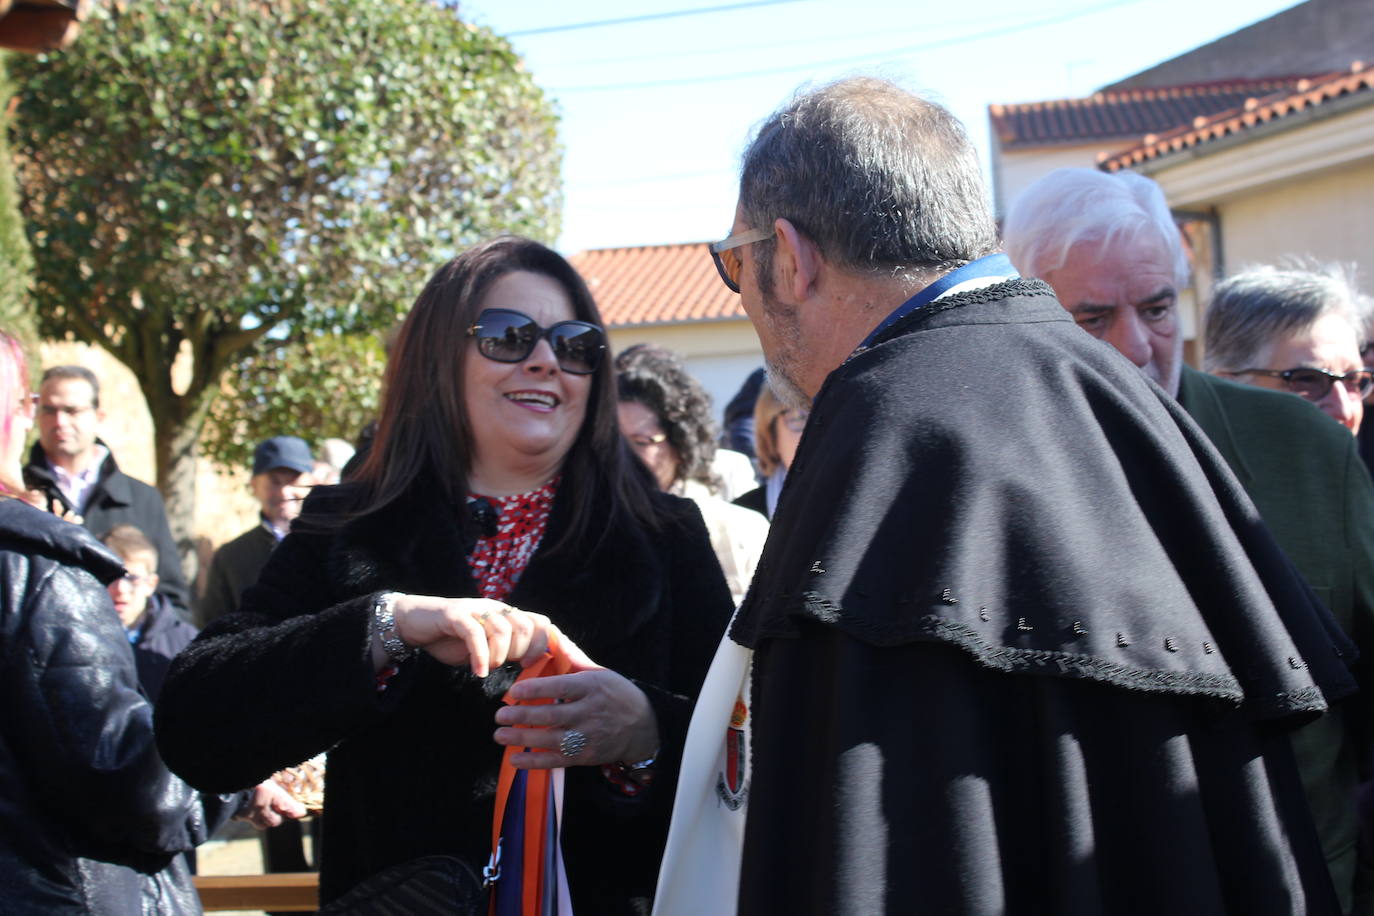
(720, 354)
(1014, 171)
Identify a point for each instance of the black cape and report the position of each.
(1022, 644)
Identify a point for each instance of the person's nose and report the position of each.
(542, 359)
(1131, 339)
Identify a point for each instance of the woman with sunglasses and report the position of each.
(498, 505)
(777, 431)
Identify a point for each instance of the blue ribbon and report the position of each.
(994, 265)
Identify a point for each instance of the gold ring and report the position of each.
(484, 616)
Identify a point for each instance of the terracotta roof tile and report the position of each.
(1305, 95)
(1121, 113)
(656, 284)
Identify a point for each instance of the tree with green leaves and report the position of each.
(237, 191)
(16, 311)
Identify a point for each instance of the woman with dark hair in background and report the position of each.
(498, 486)
(665, 414)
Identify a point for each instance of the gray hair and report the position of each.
(1071, 206)
(879, 179)
(1254, 309)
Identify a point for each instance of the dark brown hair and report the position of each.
(75, 373)
(424, 431)
(657, 379)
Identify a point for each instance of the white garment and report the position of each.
(77, 487)
(736, 473)
(701, 862)
(737, 536)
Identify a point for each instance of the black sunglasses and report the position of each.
(1314, 384)
(508, 336)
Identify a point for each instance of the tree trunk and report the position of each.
(177, 421)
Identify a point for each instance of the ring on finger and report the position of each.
(572, 744)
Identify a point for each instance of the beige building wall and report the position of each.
(720, 354)
(1329, 216)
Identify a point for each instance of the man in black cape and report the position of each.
(1018, 643)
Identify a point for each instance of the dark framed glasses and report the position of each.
(1314, 384)
(727, 259)
(508, 336)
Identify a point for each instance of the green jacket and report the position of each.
(1305, 476)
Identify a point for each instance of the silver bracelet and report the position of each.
(384, 625)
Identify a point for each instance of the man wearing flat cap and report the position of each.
(282, 468)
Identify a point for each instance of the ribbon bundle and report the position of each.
(526, 873)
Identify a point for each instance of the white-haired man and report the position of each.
(944, 692)
(1110, 248)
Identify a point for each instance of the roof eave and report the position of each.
(1310, 114)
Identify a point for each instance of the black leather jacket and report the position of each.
(86, 804)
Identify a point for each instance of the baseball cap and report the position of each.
(282, 452)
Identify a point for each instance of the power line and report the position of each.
(793, 42)
(880, 55)
(675, 14)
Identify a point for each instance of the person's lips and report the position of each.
(534, 399)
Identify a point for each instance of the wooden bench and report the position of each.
(287, 891)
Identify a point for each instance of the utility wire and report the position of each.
(880, 55)
(793, 42)
(674, 14)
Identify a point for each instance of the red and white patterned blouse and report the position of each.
(498, 561)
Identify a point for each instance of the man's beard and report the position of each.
(783, 369)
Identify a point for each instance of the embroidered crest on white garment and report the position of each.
(732, 783)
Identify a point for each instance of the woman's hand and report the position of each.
(610, 712)
(477, 632)
(270, 805)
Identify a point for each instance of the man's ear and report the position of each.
(153, 581)
(797, 260)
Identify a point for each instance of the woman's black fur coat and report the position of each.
(412, 769)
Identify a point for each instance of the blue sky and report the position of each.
(656, 112)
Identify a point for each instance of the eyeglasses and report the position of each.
(795, 419)
(133, 580)
(728, 263)
(508, 336)
(71, 410)
(1314, 384)
(640, 442)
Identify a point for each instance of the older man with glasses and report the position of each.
(1108, 245)
(1292, 330)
